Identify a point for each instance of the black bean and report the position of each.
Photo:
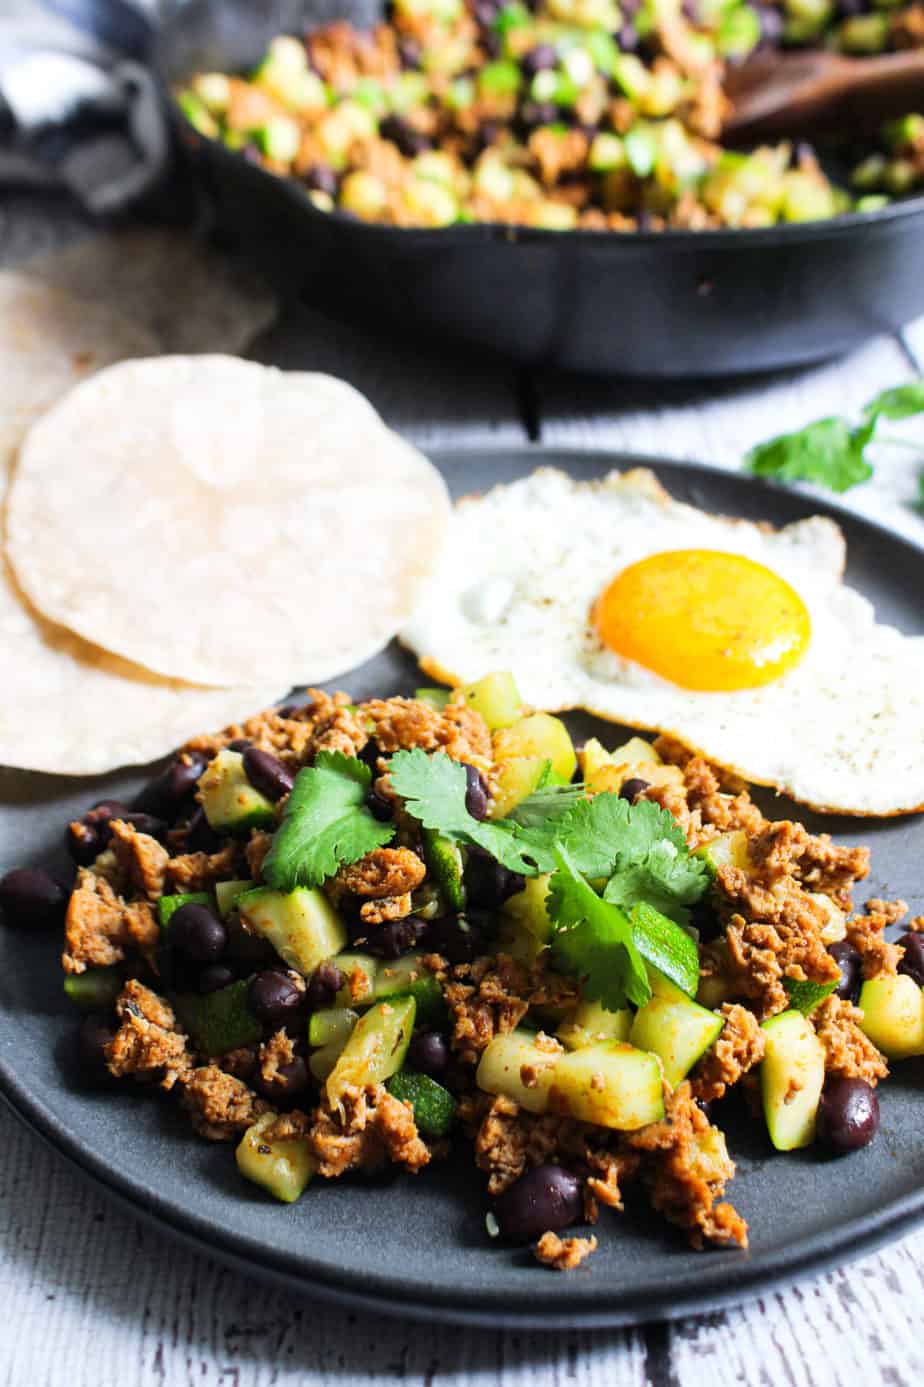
(213, 977)
(240, 744)
(320, 178)
(31, 898)
(546, 1197)
(287, 1084)
(771, 23)
(628, 38)
(166, 794)
(322, 990)
(201, 836)
(401, 132)
(274, 998)
(476, 793)
(145, 823)
(850, 964)
(197, 934)
(631, 789)
(370, 755)
(536, 113)
(848, 9)
(705, 918)
(489, 132)
(93, 1035)
(393, 939)
(457, 939)
(487, 883)
(913, 962)
(539, 59)
(848, 1115)
(410, 53)
(267, 774)
(485, 12)
(379, 807)
(428, 1053)
(84, 842)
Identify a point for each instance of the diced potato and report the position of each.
(515, 1066)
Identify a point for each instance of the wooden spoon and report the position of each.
(776, 95)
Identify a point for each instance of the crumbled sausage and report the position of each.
(220, 1105)
(369, 1128)
(100, 925)
(405, 723)
(865, 933)
(739, 1047)
(275, 1054)
(141, 859)
(148, 1043)
(563, 1254)
(849, 1053)
(197, 871)
(382, 872)
(492, 1003)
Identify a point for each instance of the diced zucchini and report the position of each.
(515, 1066)
(515, 780)
(497, 698)
(727, 850)
(893, 1015)
(590, 1022)
(302, 925)
(94, 990)
(282, 1167)
(430, 204)
(167, 906)
(835, 927)
(539, 735)
(434, 1106)
(444, 859)
(669, 951)
(435, 698)
(611, 1084)
(227, 893)
(792, 1075)
(528, 908)
(359, 973)
(364, 195)
(230, 802)
(279, 139)
(678, 1031)
(407, 977)
(198, 115)
(376, 1049)
(331, 1025)
(636, 751)
(806, 996)
(219, 1021)
(213, 90)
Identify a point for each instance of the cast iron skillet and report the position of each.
(418, 1246)
(657, 304)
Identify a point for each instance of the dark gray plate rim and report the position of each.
(719, 1279)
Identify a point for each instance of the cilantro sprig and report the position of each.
(593, 939)
(832, 451)
(325, 823)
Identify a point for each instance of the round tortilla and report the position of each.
(223, 522)
(68, 707)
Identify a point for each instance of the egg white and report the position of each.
(523, 565)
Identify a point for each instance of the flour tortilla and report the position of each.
(67, 706)
(223, 522)
(192, 297)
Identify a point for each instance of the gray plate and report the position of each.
(418, 1246)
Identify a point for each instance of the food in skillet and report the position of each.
(567, 113)
(741, 641)
(345, 935)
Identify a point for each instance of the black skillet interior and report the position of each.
(647, 304)
(417, 1246)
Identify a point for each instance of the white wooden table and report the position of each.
(90, 1298)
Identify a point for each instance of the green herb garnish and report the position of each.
(832, 451)
(325, 823)
(593, 940)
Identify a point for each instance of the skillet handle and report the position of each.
(118, 24)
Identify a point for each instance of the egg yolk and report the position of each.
(704, 620)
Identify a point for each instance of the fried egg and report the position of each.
(741, 641)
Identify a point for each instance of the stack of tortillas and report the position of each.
(187, 537)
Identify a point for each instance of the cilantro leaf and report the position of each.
(829, 452)
(433, 788)
(325, 823)
(665, 879)
(607, 832)
(546, 806)
(592, 940)
(901, 402)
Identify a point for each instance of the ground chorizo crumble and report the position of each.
(772, 927)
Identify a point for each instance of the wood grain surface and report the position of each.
(91, 1298)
